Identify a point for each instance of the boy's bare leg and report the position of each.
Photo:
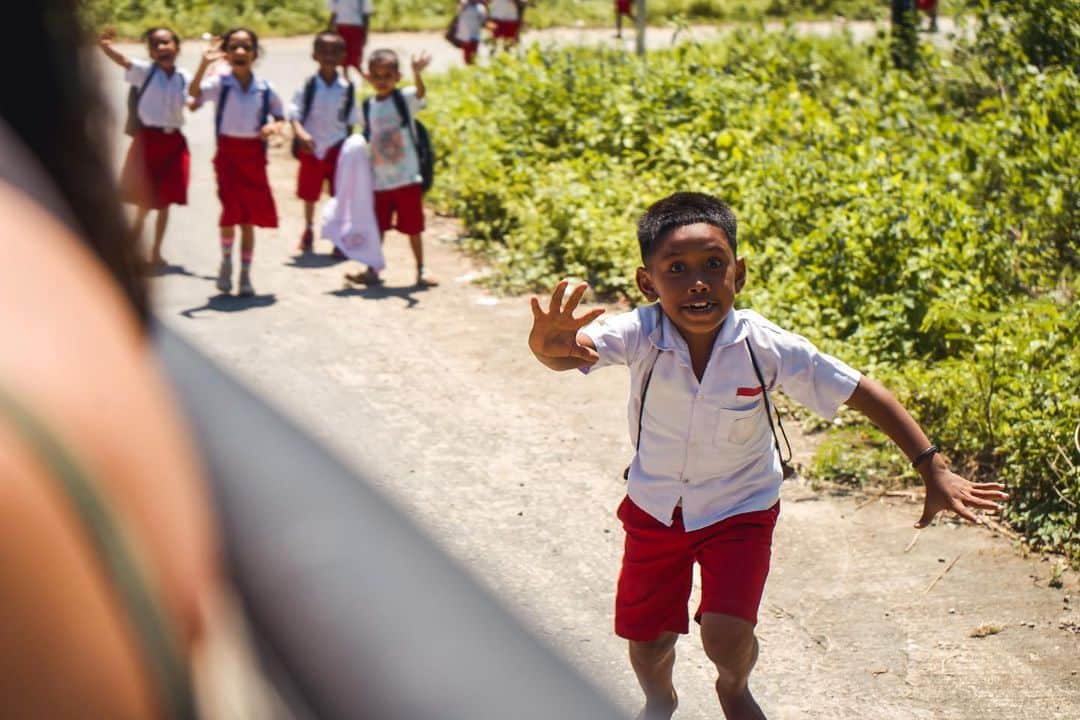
(730, 644)
(159, 236)
(140, 220)
(653, 662)
(417, 243)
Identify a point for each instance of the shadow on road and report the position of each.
(172, 269)
(231, 303)
(381, 292)
(311, 260)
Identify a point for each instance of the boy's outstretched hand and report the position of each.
(945, 490)
(421, 61)
(554, 335)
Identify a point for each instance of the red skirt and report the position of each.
(623, 7)
(156, 170)
(243, 188)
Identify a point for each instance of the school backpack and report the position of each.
(309, 98)
(418, 133)
(133, 124)
(264, 113)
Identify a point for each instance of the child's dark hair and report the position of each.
(148, 36)
(679, 209)
(325, 38)
(383, 55)
(228, 35)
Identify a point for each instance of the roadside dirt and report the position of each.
(516, 471)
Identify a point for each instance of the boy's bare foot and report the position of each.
(655, 712)
(368, 277)
(425, 281)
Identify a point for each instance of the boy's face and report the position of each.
(383, 76)
(695, 276)
(329, 54)
(163, 47)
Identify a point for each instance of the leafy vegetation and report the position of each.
(193, 17)
(924, 226)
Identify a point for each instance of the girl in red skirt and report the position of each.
(247, 113)
(158, 163)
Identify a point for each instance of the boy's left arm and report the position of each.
(419, 62)
(945, 490)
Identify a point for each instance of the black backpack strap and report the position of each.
(769, 413)
(146, 83)
(365, 108)
(651, 365)
(219, 113)
(264, 111)
(406, 117)
(350, 103)
(309, 99)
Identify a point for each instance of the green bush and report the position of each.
(924, 226)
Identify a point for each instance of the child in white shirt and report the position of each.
(704, 484)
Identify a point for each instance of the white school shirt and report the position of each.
(242, 108)
(325, 123)
(708, 444)
(162, 105)
(504, 10)
(350, 12)
(470, 22)
(393, 153)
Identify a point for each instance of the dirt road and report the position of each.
(516, 471)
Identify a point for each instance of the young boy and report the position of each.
(471, 16)
(704, 484)
(387, 120)
(350, 18)
(322, 113)
(623, 7)
(506, 16)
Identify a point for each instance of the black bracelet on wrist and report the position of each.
(924, 455)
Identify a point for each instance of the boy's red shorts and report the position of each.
(156, 169)
(355, 36)
(469, 49)
(622, 7)
(658, 563)
(314, 172)
(406, 203)
(507, 29)
(243, 188)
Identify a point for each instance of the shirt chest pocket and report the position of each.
(739, 427)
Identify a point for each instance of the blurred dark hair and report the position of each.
(327, 37)
(679, 209)
(148, 36)
(55, 106)
(383, 55)
(229, 33)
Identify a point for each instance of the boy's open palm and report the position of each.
(554, 333)
(945, 490)
(421, 61)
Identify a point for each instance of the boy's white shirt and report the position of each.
(162, 105)
(324, 123)
(470, 22)
(350, 12)
(705, 443)
(393, 153)
(504, 10)
(242, 108)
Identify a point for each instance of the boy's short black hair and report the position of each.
(326, 37)
(679, 209)
(383, 55)
(251, 33)
(148, 36)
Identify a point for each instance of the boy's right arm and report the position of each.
(555, 338)
(105, 42)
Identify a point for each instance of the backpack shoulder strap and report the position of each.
(406, 116)
(146, 83)
(264, 111)
(309, 99)
(769, 409)
(365, 108)
(350, 103)
(219, 114)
